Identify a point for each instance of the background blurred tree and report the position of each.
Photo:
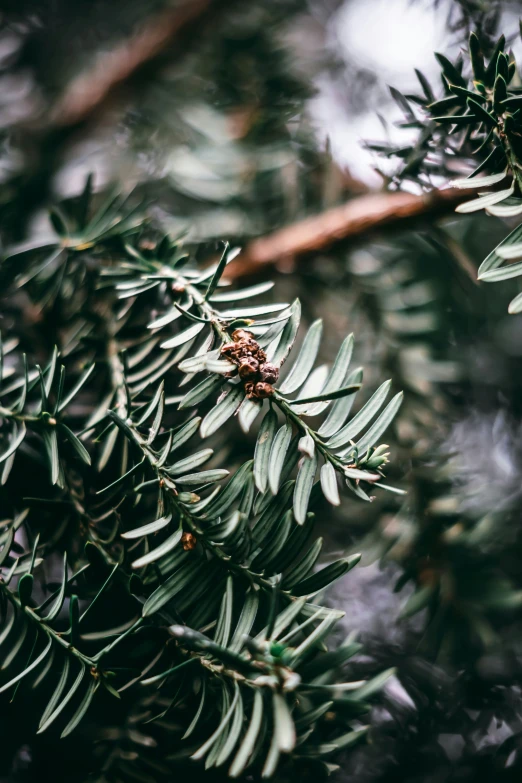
(203, 107)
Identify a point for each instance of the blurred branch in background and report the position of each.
(88, 91)
(44, 135)
(359, 216)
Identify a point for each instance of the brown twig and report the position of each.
(88, 90)
(357, 217)
(46, 138)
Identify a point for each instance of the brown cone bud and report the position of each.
(248, 368)
(249, 390)
(263, 390)
(228, 348)
(241, 334)
(269, 372)
(188, 541)
(247, 344)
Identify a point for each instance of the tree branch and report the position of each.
(45, 138)
(353, 219)
(88, 90)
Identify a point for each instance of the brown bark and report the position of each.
(353, 219)
(46, 138)
(89, 90)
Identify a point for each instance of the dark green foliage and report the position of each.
(168, 528)
(212, 578)
(477, 119)
(465, 583)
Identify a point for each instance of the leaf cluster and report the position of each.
(216, 575)
(478, 118)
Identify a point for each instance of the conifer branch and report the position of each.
(354, 219)
(88, 91)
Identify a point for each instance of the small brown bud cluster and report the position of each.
(147, 244)
(258, 374)
(188, 541)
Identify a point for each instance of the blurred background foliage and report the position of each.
(237, 119)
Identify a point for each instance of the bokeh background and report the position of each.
(235, 120)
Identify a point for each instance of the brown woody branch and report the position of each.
(45, 138)
(90, 89)
(353, 219)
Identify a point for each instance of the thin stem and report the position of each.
(117, 374)
(57, 637)
(287, 411)
(512, 160)
(220, 328)
(190, 521)
(5, 413)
